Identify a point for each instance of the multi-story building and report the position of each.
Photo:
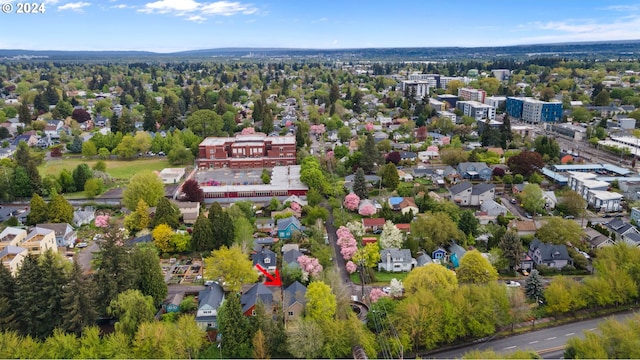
(472, 94)
(16, 244)
(418, 88)
(534, 111)
(495, 101)
(445, 80)
(247, 151)
(477, 110)
(501, 74)
(432, 79)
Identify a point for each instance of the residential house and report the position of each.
(64, 233)
(517, 188)
(523, 227)
(296, 199)
(526, 262)
(257, 293)
(40, 240)
(209, 301)
(396, 260)
(285, 211)
(474, 171)
(466, 194)
(373, 224)
(408, 156)
(290, 258)
(30, 139)
(265, 224)
(551, 255)
(266, 259)
(11, 252)
(624, 231)
(456, 253)
(84, 216)
(407, 205)
(287, 227)
(294, 301)
(439, 255)
(172, 304)
(423, 259)
(595, 239)
(368, 240)
(550, 200)
(405, 176)
(190, 210)
(492, 208)
(263, 243)
(406, 228)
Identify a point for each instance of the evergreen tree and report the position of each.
(32, 302)
(114, 273)
(360, 185)
(334, 93)
(34, 176)
(21, 186)
(511, 247)
(300, 142)
(166, 213)
(149, 278)
(202, 236)
(76, 145)
(235, 329)
(53, 282)
(60, 210)
(39, 211)
(533, 286)
(370, 155)
(8, 318)
(505, 130)
(113, 121)
(149, 123)
(389, 176)
(81, 174)
(77, 302)
(24, 114)
(222, 226)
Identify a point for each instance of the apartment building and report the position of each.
(16, 244)
(471, 94)
(533, 111)
(418, 88)
(477, 110)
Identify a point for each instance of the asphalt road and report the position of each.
(548, 342)
(85, 255)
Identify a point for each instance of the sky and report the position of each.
(178, 25)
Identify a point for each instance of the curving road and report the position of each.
(549, 342)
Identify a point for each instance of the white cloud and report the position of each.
(76, 6)
(198, 11)
(319, 20)
(122, 6)
(625, 28)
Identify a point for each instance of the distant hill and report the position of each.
(591, 50)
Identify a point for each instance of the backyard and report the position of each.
(381, 277)
(117, 169)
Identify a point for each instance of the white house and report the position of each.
(396, 260)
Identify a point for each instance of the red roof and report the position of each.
(373, 222)
(369, 240)
(404, 227)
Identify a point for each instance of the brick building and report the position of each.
(247, 151)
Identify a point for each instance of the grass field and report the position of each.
(118, 169)
(382, 278)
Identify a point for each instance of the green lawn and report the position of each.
(382, 278)
(118, 169)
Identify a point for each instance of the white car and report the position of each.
(513, 283)
(386, 289)
(82, 245)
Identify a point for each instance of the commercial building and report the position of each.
(247, 151)
(432, 79)
(501, 74)
(472, 94)
(477, 110)
(496, 101)
(533, 111)
(418, 88)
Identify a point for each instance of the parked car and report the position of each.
(513, 283)
(82, 245)
(513, 201)
(569, 217)
(528, 216)
(386, 290)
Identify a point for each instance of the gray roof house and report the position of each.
(265, 258)
(290, 258)
(553, 256)
(396, 260)
(624, 231)
(209, 300)
(466, 194)
(294, 300)
(84, 216)
(474, 170)
(258, 292)
(423, 259)
(492, 208)
(65, 235)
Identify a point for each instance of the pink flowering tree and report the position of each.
(351, 201)
(310, 265)
(347, 243)
(330, 154)
(376, 294)
(347, 252)
(248, 131)
(351, 267)
(368, 127)
(367, 210)
(318, 129)
(295, 206)
(102, 221)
